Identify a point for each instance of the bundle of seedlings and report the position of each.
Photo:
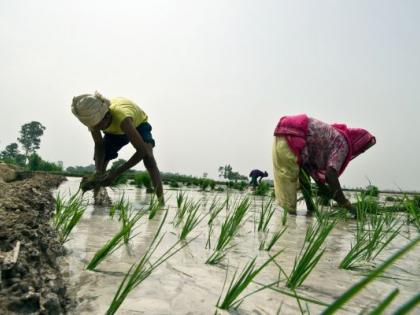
(116, 206)
(240, 283)
(140, 271)
(373, 233)
(67, 215)
(229, 230)
(348, 295)
(311, 251)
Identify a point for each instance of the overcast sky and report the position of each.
(215, 77)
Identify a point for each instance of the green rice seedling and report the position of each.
(413, 212)
(67, 215)
(408, 306)
(284, 217)
(356, 288)
(154, 207)
(140, 271)
(186, 208)
(379, 309)
(215, 208)
(274, 238)
(310, 252)
(192, 219)
(129, 218)
(240, 283)
(115, 206)
(373, 234)
(267, 211)
(180, 197)
(228, 230)
(110, 247)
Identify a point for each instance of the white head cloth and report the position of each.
(90, 109)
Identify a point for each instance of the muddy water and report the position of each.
(186, 285)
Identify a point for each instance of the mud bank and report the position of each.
(30, 279)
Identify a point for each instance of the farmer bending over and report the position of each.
(121, 122)
(322, 150)
(256, 177)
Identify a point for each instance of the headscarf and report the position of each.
(90, 109)
(358, 139)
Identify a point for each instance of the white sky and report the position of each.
(215, 76)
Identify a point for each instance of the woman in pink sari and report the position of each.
(322, 150)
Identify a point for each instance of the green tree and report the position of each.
(10, 151)
(11, 154)
(30, 137)
(228, 173)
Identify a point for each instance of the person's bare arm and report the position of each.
(99, 151)
(335, 188)
(143, 151)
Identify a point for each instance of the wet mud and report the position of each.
(30, 282)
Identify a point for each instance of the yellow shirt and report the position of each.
(122, 108)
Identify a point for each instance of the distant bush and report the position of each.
(390, 198)
(239, 185)
(36, 163)
(173, 184)
(207, 183)
(371, 190)
(142, 179)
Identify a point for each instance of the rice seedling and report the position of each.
(109, 247)
(284, 217)
(229, 230)
(154, 207)
(116, 206)
(266, 213)
(379, 309)
(413, 212)
(346, 296)
(240, 283)
(186, 208)
(128, 218)
(67, 215)
(180, 197)
(273, 240)
(310, 252)
(373, 234)
(408, 306)
(215, 208)
(192, 220)
(140, 271)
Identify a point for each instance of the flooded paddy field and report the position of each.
(185, 284)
